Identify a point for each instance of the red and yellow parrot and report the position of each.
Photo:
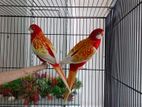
(45, 51)
(80, 54)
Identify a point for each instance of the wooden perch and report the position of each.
(15, 74)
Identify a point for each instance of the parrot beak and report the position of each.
(102, 33)
(31, 31)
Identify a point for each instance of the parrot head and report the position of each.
(96, 34)
(34, 28)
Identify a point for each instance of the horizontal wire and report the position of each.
(53, 68)
(44, 33)
(109, 7)
(44, 9)
(69, 17)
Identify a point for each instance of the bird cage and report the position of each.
(112, 78)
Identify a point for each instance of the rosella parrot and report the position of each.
(80, 54)
(45, 51)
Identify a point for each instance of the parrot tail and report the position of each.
(60, 72)
(71, 79)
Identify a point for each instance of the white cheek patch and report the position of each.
(31, 31)
(99, 36)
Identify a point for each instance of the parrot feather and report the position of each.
(80, 54)
(45, 51)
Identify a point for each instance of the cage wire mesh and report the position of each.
(123, 55)
(111, 78)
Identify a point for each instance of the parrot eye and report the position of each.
(32, 28)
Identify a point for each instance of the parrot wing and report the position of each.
(82, 52)
(44, 49)
(48, 43)
(78, 46)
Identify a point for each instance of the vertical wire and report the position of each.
(140, 45)
(92, 21)
(133, 92)
(131, 60)
(17, 42)
(92, 72)
(7, 45)
(65, 24)
(79, 71)
(137, 46)
(86, 93)
(120, 87)
(82, 78)
(87, 71)
(95, 93)
(21, 47)
(135, 67)
(1, 49)
(32, 20)
(66, 30)
(97, 73)
(78, 38)
(14, 53)
(129, 75)
(4, 47)
(1, 46)
(103, 64)
(99, 68)
(11, 43)
(137, 58)
(52, 39)
(75, 25)
(35, 58)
